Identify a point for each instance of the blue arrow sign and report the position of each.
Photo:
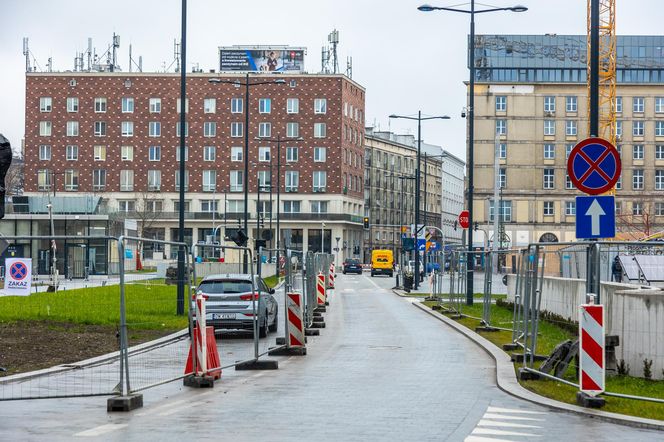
(421, 244)
(595, 217)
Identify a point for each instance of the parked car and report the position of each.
(382, 262)
(411, 267)
(352, 265)
(230, 304)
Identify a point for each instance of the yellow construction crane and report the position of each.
(607, 69)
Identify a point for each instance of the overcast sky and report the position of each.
(407, 60)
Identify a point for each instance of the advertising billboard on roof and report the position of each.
(261, 59)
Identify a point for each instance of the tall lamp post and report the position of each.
(278, 141)
(246, 84)
(419, 120)
(471, 122)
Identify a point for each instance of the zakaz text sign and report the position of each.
(18, 276)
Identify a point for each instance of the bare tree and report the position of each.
(147, 211)
(15, 178)
(640, 222)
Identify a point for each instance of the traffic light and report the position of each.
(477, 225)
(366, 222)
(455, 225)
(239, 238)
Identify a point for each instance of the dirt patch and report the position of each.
(34, 345)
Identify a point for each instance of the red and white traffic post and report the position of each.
(331, 277)
(295, 321)
(321, 298)
(203, 363)
(592, 355)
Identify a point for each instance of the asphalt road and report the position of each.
(381, 370)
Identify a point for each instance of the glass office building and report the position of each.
(563, 59)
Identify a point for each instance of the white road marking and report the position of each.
(102, 429)
(488, 415)
(178, 409)
(488, 423)
(161, 407)
(485, 439)
(511, 410)
(490, 432)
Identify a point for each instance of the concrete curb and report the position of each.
(506, 380)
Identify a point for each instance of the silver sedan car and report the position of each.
(230, 303)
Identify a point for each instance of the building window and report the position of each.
(44, 180)
(209, 153)
(619, 183)
(637, 128)
(319, 181)
(568, 149)
(505, 211)
(568, 182)
(659, 105)
(659, 152)
(292, 206)
(548, 178)
(292, 130)
(264, 130)
(127, 105)
(186, 153)
(154, 153)
(98, 179)
(570, 208)
(264, 105)
(209, 180)
(549, 127)
(154, 129)
(292, 154)
(236, 105)
(570, 104)
(264, 180)
(154, 180)
(549, 151)
(659, 179)
(320, 130)
(264, 154)
(155, 105)
(637, 208)
(637, 179)
(548, 208)
(549, 104)
(71, 152)
(186, 181)
(236, 130)
(638, 104)
(501, 103)
(237, 181)
(659, 128)
(292, 106)
(502, 178)
(208, 206)
(659, 209)
(126, 206)
(501, 127)
(72, 128)
(209, 129)
(320, 105)
(127, 153)
(177, 129)
(637, 152)
(619, 128)
(71, 180)
(100, 104)
(44, 152)
(318, 206)
(502, 151)
(570, 128)
(100, 128)
(320, 154)
(100, 153)
(45, 128)
(126, 180)
(235, 206)
(292, 180)
(619, 105)
(236, 153)
(72, 104)
(127, 128)
(186, 105)
(209, 105)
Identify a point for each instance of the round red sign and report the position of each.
(464, 219)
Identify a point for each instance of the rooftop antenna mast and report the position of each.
(89, 54)
(116, 44)
(333, 39)
(26, 53)
(349, 67)
(325, 60)
(176, 56)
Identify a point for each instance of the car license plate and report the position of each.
(223, 315)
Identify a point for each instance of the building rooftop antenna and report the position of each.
(333, 39)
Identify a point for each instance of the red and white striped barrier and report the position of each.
(204, 345)
(320, 290)
(331, 278)
(591, 343)
(295, 322)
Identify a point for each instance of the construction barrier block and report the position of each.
(311, 332)
(124, 403)
(265, 364)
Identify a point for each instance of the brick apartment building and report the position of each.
(115, 135)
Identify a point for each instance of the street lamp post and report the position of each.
(246, 85)
(419, 120)
(471, 123)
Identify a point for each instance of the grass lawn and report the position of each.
(272, 281)
(551, 335)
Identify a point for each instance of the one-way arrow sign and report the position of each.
(595, 217)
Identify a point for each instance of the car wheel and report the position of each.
(275, 323)
(262, 330)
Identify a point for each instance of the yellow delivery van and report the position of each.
(382, 262)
